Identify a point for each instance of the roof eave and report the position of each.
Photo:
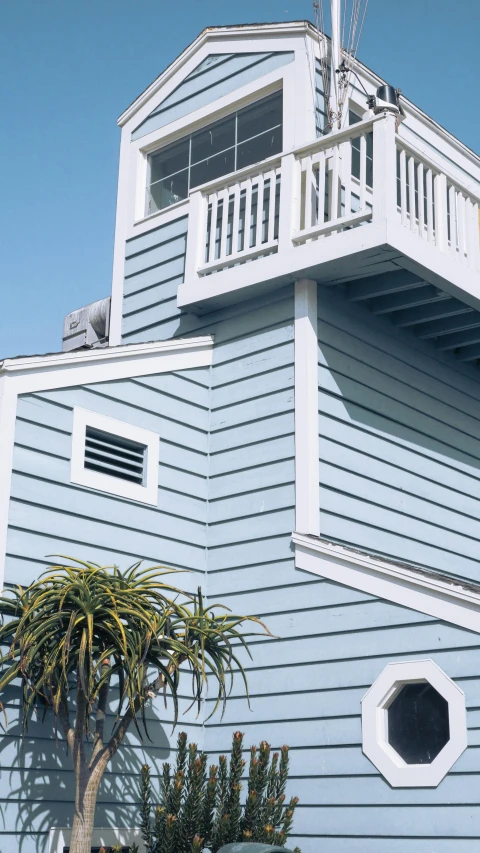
(210, 34)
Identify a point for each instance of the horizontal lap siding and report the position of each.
(50, 515)
(306, 689)
(332, 642)
(399, 446)
(154, 267)
(215, 77)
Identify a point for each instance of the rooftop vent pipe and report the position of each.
(87, 327)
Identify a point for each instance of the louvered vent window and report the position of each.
(115, 456)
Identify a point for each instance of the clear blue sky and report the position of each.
(70, 67)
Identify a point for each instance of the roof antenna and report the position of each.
(338, 66)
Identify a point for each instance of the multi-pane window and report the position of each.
(245, 137)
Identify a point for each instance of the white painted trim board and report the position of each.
(425, 592)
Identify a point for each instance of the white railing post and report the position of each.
(440, 197)
(196, 235)
(290, 193)
(384, 169)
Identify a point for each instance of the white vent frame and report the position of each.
(82, 476)
(374, 724)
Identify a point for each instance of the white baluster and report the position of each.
(236, 219)
(248, 215)
(403, 186)
(258, 234)
(421, 202)
(213, 199)
(430, 222)
(321, 189)
(335, 194)
(461, 227)
(411, 193)
(441, 234)
(363, 170)
(272, 177)
(308, 192)
(224, 224)
(345, 177)
(475, 250)
(452, 203)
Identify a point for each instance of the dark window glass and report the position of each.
(167, 192)
(261, 116)
(213, 139)
(244, 138)
(259, 148)
(169, 160)
(212, 168)
(418, 726)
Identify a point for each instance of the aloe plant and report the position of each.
(199, 808)
(83, 631)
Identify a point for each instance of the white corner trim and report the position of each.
(425, 592)
(60, 837)
(81, 367)
(8, 411)
(375, 706)
(147, 493)
(307, 492)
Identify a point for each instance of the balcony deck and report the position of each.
(396, 218)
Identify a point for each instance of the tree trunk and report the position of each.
(84, 817)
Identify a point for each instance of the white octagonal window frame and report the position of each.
(375, 706)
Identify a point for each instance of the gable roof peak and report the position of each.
(278, 28)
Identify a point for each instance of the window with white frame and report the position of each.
(115, 457)
(414, 724)
(244, 137)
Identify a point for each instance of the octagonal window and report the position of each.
(414, 723)
(418, 726)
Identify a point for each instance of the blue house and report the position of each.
(282, 396)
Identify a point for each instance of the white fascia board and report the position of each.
(62, 370)
(288, 265)
(424, 592)
(217, 40)
(59, 369)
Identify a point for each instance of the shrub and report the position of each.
(200, 808)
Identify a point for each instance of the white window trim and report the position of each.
(297, 80)
(374, 724)
(60, 837)
(82, 476)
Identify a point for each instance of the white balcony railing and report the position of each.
(364, 173)
(436, 207)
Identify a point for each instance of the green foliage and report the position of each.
(81, 632)
(86, 623)
(200, 808)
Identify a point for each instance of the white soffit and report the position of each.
(425, 591)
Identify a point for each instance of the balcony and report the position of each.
(357, 203)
